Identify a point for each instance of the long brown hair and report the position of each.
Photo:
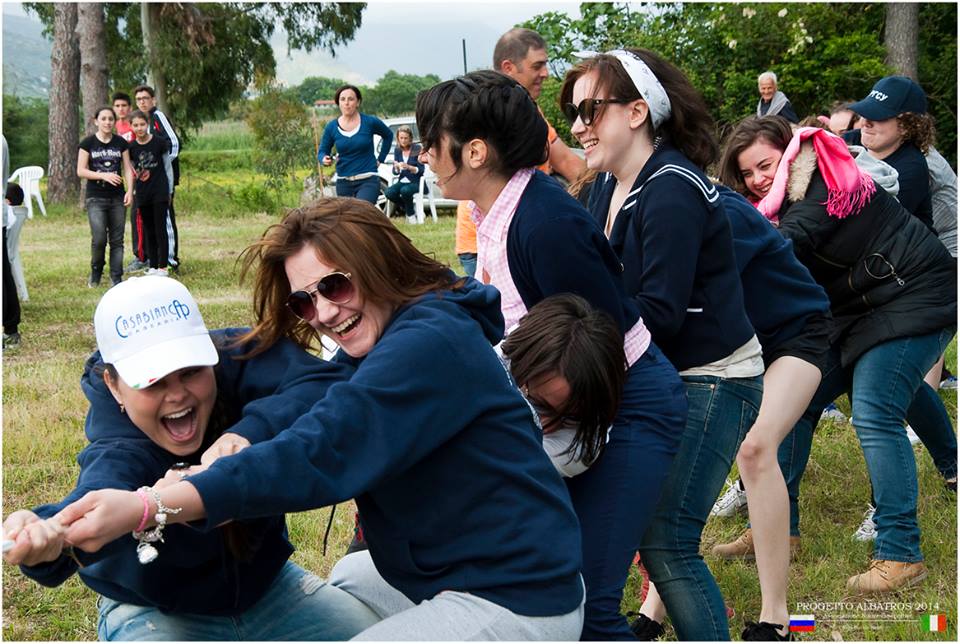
(355, 237)
(563, 334)
(775, 130)
(690, 127)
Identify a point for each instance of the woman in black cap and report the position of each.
(898, 130)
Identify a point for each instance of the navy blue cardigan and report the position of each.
(553, 246)
(678, 263)
(414, 161)
(779, 292)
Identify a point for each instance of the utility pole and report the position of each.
(464, 42)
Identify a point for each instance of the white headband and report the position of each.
(643, 79)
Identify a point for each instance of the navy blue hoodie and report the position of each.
(195, 572)
(779, 292)
(443, 455)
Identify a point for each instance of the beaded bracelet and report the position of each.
(146, 510)
(145, 551)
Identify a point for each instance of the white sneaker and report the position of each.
(733, 500)
(868, 529)
(912, 435)
(831, 412)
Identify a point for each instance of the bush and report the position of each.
(25, 126)
(253, 197)
(283, 143)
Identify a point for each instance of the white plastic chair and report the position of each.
(427, 191)
(29, 179)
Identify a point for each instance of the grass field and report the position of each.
(43, 412)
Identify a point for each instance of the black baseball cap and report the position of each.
(890, 97)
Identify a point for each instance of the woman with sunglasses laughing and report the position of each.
(648, 132)
(431, 436)
(483, 136)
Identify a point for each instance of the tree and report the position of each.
(282, 142)
(314, 88)
(207, 54)
(63, 184)
(900, 37)
(821, 52)
(396, 94)
(93, 61)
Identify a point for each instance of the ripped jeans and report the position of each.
(297, 606)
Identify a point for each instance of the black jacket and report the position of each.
(886, 274)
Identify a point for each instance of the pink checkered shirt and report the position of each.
(492, 266)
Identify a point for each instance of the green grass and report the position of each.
(222, 135)
(44, 411)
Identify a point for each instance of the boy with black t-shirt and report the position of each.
(151, 163)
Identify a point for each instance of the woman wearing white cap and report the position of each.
(456, 495)
(647, 130)
(161, 390)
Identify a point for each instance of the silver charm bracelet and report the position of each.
(145, 551)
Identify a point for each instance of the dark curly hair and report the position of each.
(484, 105)
(918, 129)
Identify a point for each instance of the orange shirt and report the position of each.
(466, 230)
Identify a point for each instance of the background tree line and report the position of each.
(198, 56)
(821, 52)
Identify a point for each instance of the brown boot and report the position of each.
(884, 576)
(742, 547)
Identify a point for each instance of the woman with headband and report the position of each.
(483, 136)
(647, 130)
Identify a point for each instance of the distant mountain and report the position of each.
(26, 58)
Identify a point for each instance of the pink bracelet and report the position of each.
(146, 509)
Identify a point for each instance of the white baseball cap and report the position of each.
(148, 327)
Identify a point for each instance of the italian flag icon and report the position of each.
(933, 623)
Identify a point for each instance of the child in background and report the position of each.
(150, 156)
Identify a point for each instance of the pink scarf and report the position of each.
(849, 188)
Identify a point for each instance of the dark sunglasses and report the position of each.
(588, 108)
(333, 287)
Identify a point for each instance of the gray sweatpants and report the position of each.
(450, 615)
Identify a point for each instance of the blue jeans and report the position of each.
(883, 384)
(929, 419)
(402, 194)
(107, 218)
(722, 410)
(615, 498)
(367, 189)
(469, 263)
(297, 606)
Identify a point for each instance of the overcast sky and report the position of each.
(409, 37)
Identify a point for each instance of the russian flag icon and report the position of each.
(802, 624)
